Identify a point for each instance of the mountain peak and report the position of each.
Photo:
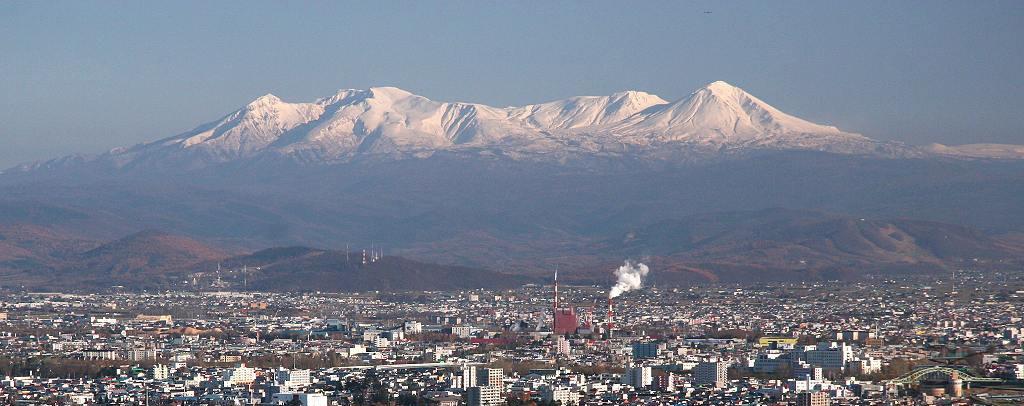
(726, 91)
(390, 92)
(267, 99)
(720, 85)
(720, 114)
(639, 97)
(631, 93)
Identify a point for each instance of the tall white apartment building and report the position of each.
(239, 375)
(484, 396)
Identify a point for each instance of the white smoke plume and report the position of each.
(630, 276)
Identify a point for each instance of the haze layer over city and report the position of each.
(432, 203)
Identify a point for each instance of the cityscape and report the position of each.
(526, 203)
(887, 341)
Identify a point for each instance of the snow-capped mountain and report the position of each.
(386, 121)
(720, 114)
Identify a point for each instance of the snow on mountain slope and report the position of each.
(249, 129)
(388, 119)
(585, 111)
(391, 121)
(722, 114)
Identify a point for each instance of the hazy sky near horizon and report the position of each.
(88, 76)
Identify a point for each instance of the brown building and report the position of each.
(812, 399)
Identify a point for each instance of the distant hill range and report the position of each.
(766, 245)
(38, 259)
(780, 244)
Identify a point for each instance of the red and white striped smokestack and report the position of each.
(556, 288)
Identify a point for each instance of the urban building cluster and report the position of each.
(874, 342)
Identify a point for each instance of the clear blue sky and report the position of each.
(78, 76)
